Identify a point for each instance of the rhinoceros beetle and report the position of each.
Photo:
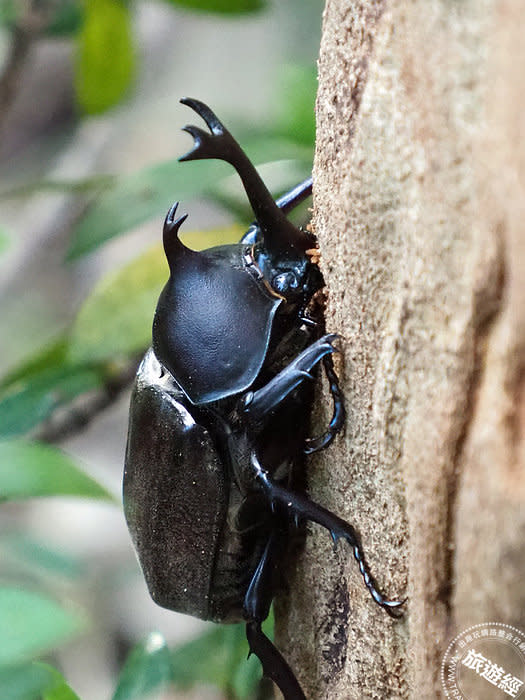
(219, 415)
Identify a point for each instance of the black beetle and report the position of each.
(219, 415)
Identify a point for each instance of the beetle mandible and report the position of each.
(219, 415)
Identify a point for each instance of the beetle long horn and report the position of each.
(173, 246)
(278, 233)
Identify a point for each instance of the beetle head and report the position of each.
(288, 268)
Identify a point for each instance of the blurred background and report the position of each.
(89, 138)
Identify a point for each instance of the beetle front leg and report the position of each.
(301, 507)
(258, 404)
(295, 196)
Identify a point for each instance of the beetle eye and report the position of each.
(285, 281)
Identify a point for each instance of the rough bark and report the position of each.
(419, 206)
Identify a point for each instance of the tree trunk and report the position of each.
(419, 206)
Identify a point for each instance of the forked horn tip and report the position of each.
(172, 244)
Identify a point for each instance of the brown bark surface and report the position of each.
(419, 206)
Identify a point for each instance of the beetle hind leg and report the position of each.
(299, 507)
(256, 606)
(274, 665)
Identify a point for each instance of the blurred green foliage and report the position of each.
(217, 657)
(30, 469)
(34, 681)
(33, 623)
(105, 55)
(4, 240)
(103, 31)
(111, 328)
(227, 7)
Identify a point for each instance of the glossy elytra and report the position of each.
(218, 430)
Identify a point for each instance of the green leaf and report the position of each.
(94, 184)
(21, 555)
(218, 658)
(116, 319)
(34, 681)
(8, 12)
(136, 198)
(297, 118)
(29, 470)
(67, 18)
(50, 356)
(58, 688)
(32, 624)
(150, 192)
(27, 402)
(226, 7)
(147, 669)
(39, 385)
(106, 61)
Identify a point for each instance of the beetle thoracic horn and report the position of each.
(173, 246)
(279, 234)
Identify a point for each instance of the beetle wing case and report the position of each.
(174, 494)
(213, 322)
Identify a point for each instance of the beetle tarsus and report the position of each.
(350, 535)
(338, 417)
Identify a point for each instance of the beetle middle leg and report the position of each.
(301, 507)
(257, 606)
